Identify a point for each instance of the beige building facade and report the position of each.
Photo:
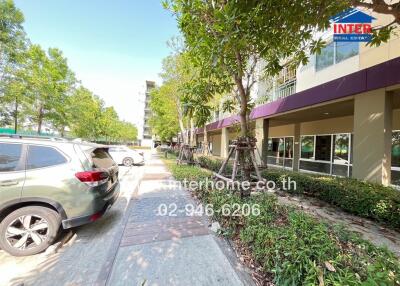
(343, 118)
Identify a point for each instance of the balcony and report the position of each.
(284, 90)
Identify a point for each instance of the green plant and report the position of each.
(364, 199)
(296, 248)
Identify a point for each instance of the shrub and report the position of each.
(295, 247)
(188, 172)
(213, 164)
(364, 199)
(360, 198)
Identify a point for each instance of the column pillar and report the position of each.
(261, 133)
(224, 142)
(372, 136)
(296, 147)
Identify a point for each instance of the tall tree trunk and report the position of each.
(183, 131)
(192, 134)
(205, 141)
(243, 106)
(16, 116)
(62, 131)
(40, 119)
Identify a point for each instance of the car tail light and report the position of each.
(93, 178)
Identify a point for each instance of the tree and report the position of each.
(228, 38)
(381, 34)
(165, 117)
(202, 96)
(12, 46)
(12, 35)
(63, 83)
(85, 112)
(175, 74)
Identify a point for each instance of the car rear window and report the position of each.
(10, 155)
(101, 158)
(42, 156)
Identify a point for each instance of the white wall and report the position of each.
(308, 77)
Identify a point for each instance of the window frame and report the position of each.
(21, 165)
(307, 159)
(330, 162)
(284, 152)
(67, 158)
(330, 41)
(391, 166)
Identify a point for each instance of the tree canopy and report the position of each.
(38, 87)
(229, 38)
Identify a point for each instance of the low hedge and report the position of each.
(296, 248)
(213, 164)
(360, 198)
(364, 199)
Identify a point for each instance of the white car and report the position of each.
(125, 155)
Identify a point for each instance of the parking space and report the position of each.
(83, 250)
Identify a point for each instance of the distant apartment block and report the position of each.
(147, 135)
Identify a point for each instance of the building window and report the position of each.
(285, 83)
(326, 57)
(307, 147)
(396, 158)
(340, 159)
(341, 149)
(280, 152)
(289, 147)
(345, 50)
(323, 148)
(335, 52)
(327, 154)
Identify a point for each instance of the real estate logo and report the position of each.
(352, 25)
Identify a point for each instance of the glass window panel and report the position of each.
(288, 147)
(276, 147)
(281, 148)
(313, 166)
(9, 157)
(274, 161)
(307, 147)
(396, 177)
(351, 148)
(325, 58)
(289, 163)
(339, 170)
(341, 149)
(40, 156)
(396, 149)
(323, 148)
(345, 50)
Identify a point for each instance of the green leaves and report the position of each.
(292, 246)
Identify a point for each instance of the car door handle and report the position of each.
(8, 183)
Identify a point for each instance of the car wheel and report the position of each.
(127, 162)
(29, 230)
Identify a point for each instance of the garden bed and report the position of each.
(293, 247)
(372, 201)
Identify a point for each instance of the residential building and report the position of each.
(337, 115)
(147, 139)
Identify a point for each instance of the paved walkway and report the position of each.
(168, 250)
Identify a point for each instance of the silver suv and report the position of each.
(47, 183)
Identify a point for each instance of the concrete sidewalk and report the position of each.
(169, 250)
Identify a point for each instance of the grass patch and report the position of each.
(294, 247)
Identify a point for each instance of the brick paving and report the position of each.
(172, 248)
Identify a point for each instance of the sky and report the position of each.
(112, 46)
